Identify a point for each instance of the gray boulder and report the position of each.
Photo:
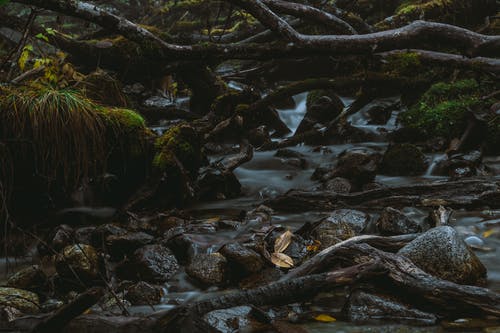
(442, 253)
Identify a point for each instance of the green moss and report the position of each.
(181, 142)
(407, 63)
(403, 160)
(441, 111)
(124, 119)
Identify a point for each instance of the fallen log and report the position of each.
(404, 278)
(470, 193)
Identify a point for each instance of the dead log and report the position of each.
(187, 318)
(404, 278)
(470, 193)
(416, 34)
(323, 259)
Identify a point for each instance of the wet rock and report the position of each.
(230, 320)
(22, 300)
(242, 259)
(79, 259)
(215, 184)
(292, 158)
(30, 278)
(459, 165)
(363, 307)
(403, 160)
(209, 269)
(442, 253)
(183, 246)
(152, 263)
(259, 136)
(331, 231)
(142, 293)
(63, 237)
(358, 166)
(342, 224)
(355, 219)
(393, 222)
(322, 107)
(99, 235)
(288, 153)
(125, 244)
(338, 185)
(84, 235)
(379, 112)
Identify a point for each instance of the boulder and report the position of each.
(442, 253)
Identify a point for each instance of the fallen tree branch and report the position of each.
(442, 296)
(323, 259)
(468, 193)
(416, 34)
(186, 318)
(311, 13)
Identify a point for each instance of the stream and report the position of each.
(267, 176)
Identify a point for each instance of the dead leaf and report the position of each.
(324, 318)
(281, 260)
(283, 241)
(314, 247)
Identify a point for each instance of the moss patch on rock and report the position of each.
(442, 110)
(180, 142)
(403, 160)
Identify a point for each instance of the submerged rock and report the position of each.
(209, 269)
(79, 259)
(363, 307)
(442, 253)
(403, 160)
(394, 222)
(152, 263)
(22, 300)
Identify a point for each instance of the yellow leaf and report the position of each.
(213, 219)
(324, 318)
(314, 247)
(488, 233)
(283, 241)
(281, 260)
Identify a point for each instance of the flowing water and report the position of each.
(267, 176)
